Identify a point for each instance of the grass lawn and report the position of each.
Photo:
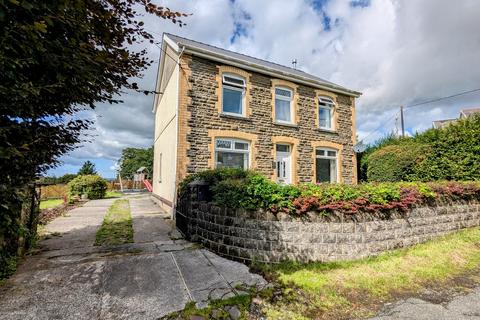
(117, 225)
(50, 203)
(113, 194)
(345, 290)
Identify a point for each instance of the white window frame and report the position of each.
(232, 149)
(326, 156)
(292, 113)
(326, 103)
(235, 87)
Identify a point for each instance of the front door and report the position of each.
(284, 164)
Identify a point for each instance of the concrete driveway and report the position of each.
(72, 279)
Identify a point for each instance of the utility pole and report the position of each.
(402, 122)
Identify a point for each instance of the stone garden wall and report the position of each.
(261, 236)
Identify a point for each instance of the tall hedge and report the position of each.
(451, 153)
(396, 162)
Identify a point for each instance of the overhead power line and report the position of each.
(380, 127)
(384, 123)
(442, 98)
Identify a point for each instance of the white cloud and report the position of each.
(395, 52)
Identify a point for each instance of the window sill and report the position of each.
(232, 116)
(327, 130)
(290, 125)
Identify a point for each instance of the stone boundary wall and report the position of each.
(241, 235)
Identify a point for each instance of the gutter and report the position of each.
(264, 70)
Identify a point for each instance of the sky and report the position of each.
(396, 52)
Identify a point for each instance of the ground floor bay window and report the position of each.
(326, 165)
(232, 153)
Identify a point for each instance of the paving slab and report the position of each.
(54, 293)
(142, 287)
(203, 280)
(235, 273)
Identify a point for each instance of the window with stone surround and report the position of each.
(326, 165)
(233, 93)
(283, 105)
(326, 108)
(232, 153)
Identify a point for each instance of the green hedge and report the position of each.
(396, 162)
(93, 186)
(234, 188)
(451, 153)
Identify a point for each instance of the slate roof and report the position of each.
(248, 60)
(469, 112)
(437, 124)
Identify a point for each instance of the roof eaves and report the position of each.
(161, 60)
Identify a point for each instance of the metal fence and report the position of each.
(182, 212)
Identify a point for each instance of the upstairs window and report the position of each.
(326, 108)
(232, 153)
(283, 105)
(233, 87)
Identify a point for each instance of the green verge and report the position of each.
(117, 226)
(345, 290)
(215, 309)
(50, 203)
(112, 194)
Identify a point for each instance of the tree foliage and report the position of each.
(88, 168)
(58, 57)
(134, 158)
(66, 178)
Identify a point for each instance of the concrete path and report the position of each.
(156, 275)
(147, 225)
(462, 307)
(78, 227)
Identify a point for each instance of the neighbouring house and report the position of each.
(218, 108)
(464, 113)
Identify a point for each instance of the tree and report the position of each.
(134, 158)
(59, 57)
(88, 168)
(66, 178)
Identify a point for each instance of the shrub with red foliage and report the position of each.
(410, 196)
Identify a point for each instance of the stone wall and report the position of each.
(201, 114)
(259, 236)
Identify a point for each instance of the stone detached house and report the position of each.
(219, 108)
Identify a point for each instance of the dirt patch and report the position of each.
(47, 215)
